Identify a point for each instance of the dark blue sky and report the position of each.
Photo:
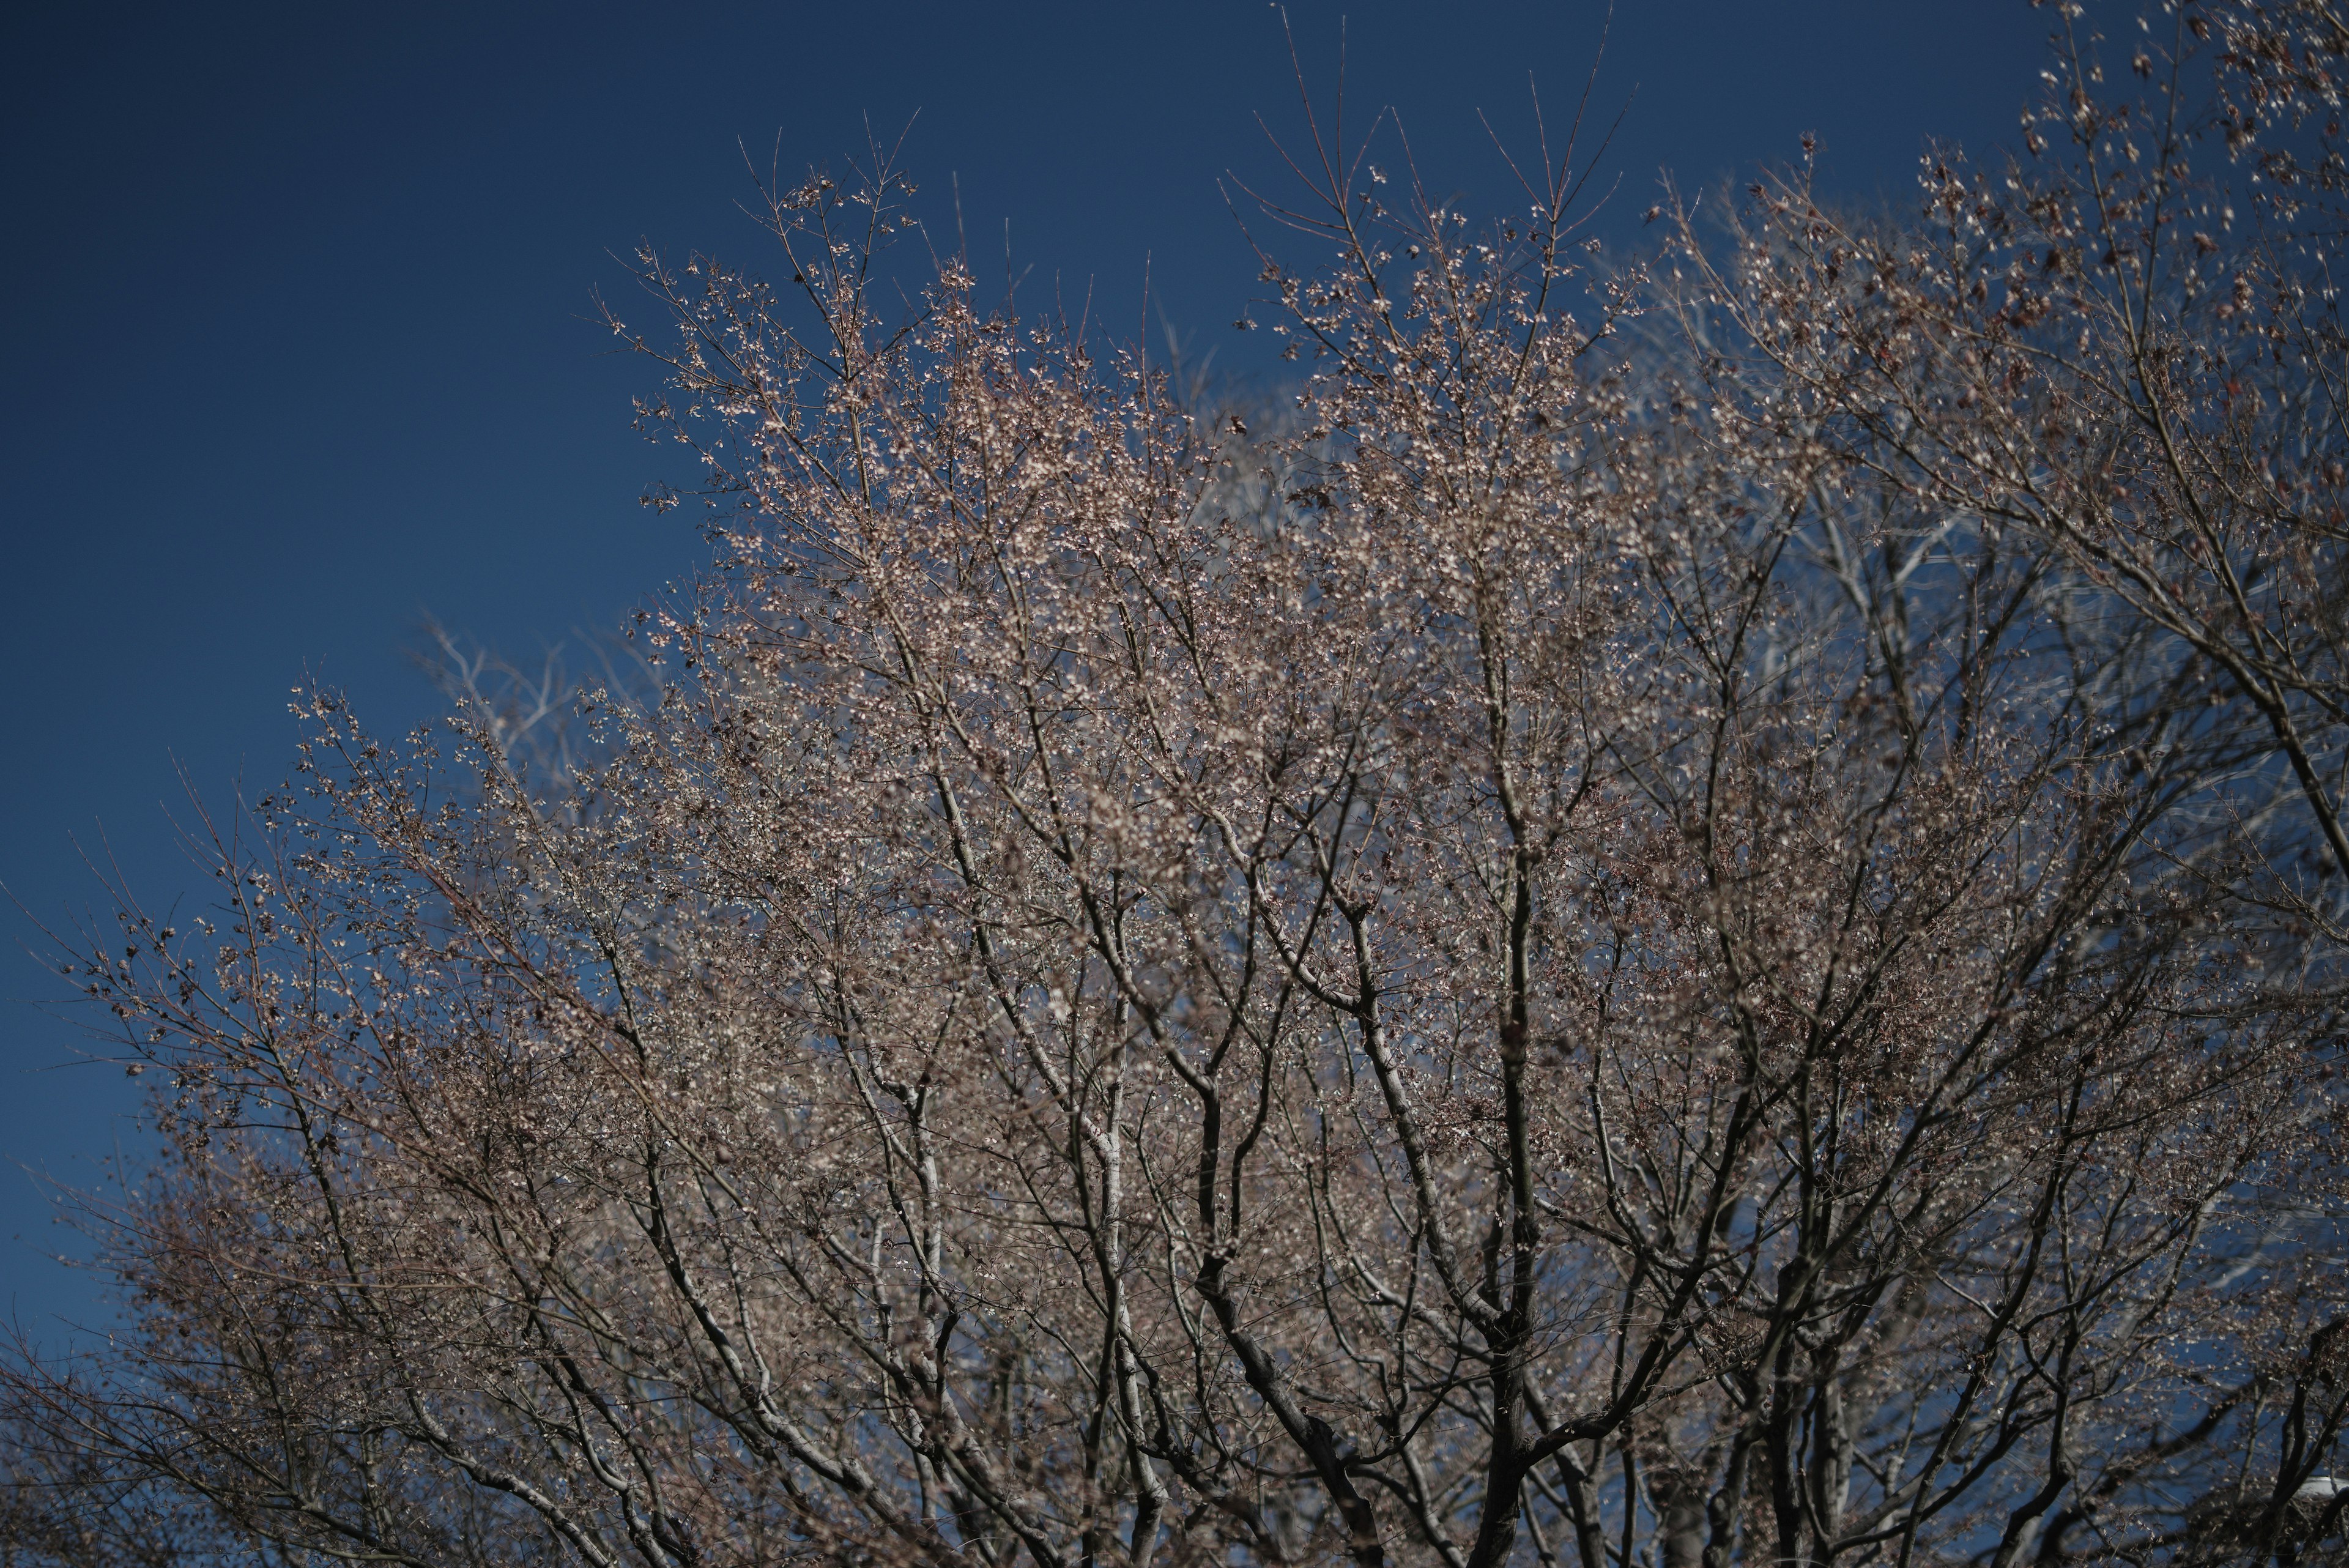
(297, 346)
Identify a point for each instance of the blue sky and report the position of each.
(297, 348)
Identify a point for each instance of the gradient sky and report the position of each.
(297, 348)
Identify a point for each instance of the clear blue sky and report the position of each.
(296, 347)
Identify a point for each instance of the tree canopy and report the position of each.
(1675, 914)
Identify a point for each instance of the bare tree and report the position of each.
(1596, 953)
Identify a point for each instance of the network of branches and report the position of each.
(1679, 914)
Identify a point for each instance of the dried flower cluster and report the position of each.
(1693, 917)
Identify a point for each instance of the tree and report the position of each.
(1605, 946)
